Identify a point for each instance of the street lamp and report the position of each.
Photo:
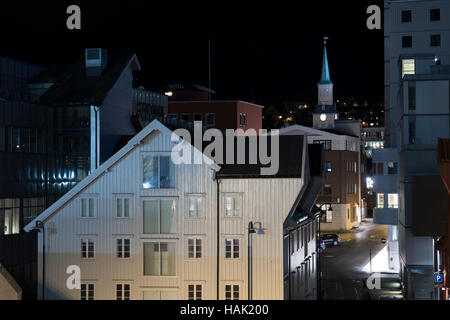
(40, 225)
(251, 231)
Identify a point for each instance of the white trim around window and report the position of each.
(232, 205)
(123, 206)
(195, 206)
(88, 206)
(194, 248)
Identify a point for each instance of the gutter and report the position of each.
(218, 181)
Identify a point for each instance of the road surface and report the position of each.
(342, 274)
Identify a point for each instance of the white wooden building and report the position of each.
(140, 227)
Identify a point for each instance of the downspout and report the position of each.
(40, 225)
(218, 236)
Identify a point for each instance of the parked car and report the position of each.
(330, 239)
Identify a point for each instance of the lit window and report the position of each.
(328, 166)
(87, 291)
(232, 248)
(159, 172)
(123, 291)
(393, 200)
(195, 292)
(408, 67)
(87, 208)
(233, 206)
(380, 200)
(123, 248)
(195, 207)
(194, 248)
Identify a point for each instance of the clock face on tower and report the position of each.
(323, 117)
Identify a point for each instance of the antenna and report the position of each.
(209, 69)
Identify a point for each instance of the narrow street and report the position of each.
(343, 274)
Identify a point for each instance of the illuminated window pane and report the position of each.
(380, 200)
(393, 200)
(408, 67)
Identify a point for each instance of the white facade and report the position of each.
(417, 59)
(165, 265)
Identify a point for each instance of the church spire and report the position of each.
(325, 77)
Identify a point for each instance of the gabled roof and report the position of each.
(155, 125)
(71, 86)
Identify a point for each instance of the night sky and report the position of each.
(266, 54)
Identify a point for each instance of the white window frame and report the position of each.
(195, 284)
(232, 291)
(232, 251)
(123, 198)
(160, 276)
(123, 248)
(188, 206)
(233, 196)
(87, 284)
(159, 155)
(123, 284)
(159, 199)
(195, 239)
(88, 198)
(87, 239)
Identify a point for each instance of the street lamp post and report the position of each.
(251, 231)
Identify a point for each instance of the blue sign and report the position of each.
(438, 278)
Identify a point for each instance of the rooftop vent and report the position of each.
(96, 60)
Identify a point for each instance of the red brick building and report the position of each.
(218, 114)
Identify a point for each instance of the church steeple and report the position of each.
(325, 85)
(325, 78)
(325, 114)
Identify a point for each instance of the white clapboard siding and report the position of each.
(267, 201)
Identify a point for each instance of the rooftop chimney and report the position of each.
(96, 60)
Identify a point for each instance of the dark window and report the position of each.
(198, 117)
(210, 119)
(406, 16)
(380, 169)
(326, 143)
(412, 131)
(435, 40)
(392, 167)
(435, 14)
(185, 117)
(407, 42)
(327, 189)
(411, 97)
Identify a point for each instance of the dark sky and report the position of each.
(263, 53)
